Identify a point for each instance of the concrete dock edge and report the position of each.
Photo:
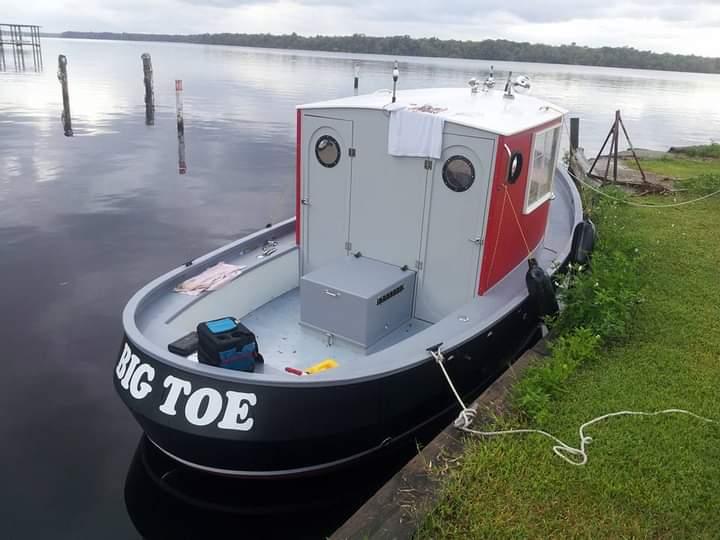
(394, 510)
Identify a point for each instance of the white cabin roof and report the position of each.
(488, 111)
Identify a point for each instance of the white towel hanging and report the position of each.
(415, 134)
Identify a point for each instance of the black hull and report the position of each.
(302, 430)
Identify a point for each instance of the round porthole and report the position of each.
(515, 167)
(458, 173)
(327, 151)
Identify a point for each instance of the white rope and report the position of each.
(561, 449)
(640, 205)
(630, 203)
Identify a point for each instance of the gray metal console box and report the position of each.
(359, 299)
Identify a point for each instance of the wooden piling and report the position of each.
(574, 134)
(149, 92)
(574, 142)
(182, 165)
(2, 52)
(62, 77)
(356, 82)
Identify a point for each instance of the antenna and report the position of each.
(508, 87)
(396, 74)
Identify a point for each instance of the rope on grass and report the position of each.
(561, 449)
(641, 205)
(631, 203)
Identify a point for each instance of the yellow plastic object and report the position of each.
(328, 363)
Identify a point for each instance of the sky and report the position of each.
(677, 26)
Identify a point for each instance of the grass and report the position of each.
(685, 163)
(646, 477)
(677, 167)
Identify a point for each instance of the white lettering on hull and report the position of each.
(195, 402)
(176, 386)
(237, 411)
(138, 388)
(202, 407)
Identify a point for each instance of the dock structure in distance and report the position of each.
(20, 40)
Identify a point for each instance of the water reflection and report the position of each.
(85, 221)
(164, 499)
(226, 84)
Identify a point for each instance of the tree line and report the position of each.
(488, 49)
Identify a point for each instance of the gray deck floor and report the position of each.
(284, 342)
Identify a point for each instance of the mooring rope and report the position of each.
(507, 200)
(497, 240)
(561, 449)
(631, 203)
(640, 205)
(517, 220)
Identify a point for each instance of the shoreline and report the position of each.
(512, 51)
(397, 508)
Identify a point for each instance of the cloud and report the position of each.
(527, 11)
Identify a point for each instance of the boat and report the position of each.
(428, 225)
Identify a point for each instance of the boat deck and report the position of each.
(156, 315)
(170, 315)
(284, 342)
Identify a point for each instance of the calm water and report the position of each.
(85, 221)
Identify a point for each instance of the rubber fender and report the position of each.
(540, 290)
(583, 242)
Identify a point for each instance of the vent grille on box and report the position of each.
(388, 295)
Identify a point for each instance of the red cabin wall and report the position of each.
(504, 244)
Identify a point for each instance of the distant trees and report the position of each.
(489, 49)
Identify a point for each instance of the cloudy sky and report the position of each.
(682, 26)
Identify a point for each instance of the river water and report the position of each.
(85, 221)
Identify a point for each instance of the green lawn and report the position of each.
(678, 167)
(646, 477)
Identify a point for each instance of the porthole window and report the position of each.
(458, 173)
(515, 168)
(327, 151)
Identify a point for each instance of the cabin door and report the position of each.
(454, 232)
(326, 191)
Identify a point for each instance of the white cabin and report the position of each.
(463, 205)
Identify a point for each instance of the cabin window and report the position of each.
(327, 151)
(515, 167)
(458, 173)
(542, 168)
